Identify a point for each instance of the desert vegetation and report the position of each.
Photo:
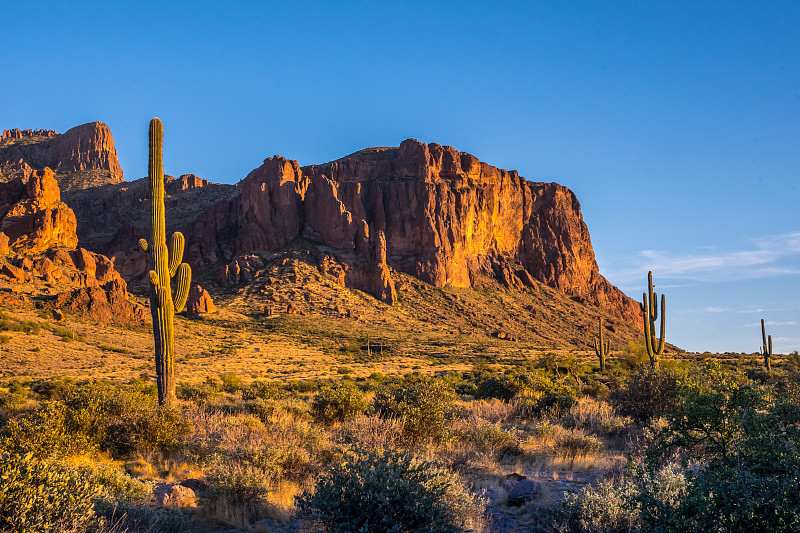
(633, 448)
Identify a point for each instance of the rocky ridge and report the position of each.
(38, 240)
(427, 210)
(81, 157)
(430, 211)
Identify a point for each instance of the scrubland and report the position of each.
(694, 445)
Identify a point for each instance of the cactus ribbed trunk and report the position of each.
(166, 265)
(650, 314)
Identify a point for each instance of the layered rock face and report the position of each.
(427, 210)
(32, 216)
(82, 157)
(39, 229)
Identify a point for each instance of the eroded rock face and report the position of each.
(199, 302)
(81, 157)
(34, 218)
(438, 214)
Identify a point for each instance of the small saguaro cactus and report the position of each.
(601, 346)
(166, 265)
(766, 349)
(650, 314)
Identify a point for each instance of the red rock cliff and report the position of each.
(428, 210)
(32, 216)
(82, 157)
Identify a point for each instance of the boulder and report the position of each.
(199, 302)
(523, 492)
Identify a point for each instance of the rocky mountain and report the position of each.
(39, 262)
(32, 216)
(437, 214)
(427, 210)
(82, 157)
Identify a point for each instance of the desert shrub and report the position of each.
(425, 406)
(336, 403)
(37, 496)
(492, 410)
(47, 432)
(96, 415)
(595, 416)
(304, 385)
(15, 387)
(145, 430)
(370, 432)
(11, 401)
(388, 492)
(264, 390)
(608, 507)
(507, 386)
(116, 485)
(237, 493)
(553, 404)
(136, 517)
(638, 501)
(197, 393)
(576, 444)
(230, 381)
(749, 443)
(596, 389)
(646, 393)
(633, 355)
(51, 389)
(489, 437)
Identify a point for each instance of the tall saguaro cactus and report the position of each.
(650, 314)
(166, 265)
(766, 349)
(601, 346)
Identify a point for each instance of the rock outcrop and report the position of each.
(430, 211)
(199, 302)
(32, 216)
(438, 214)
(82, 157)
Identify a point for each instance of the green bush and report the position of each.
(95, 415)
(425, 406)
(388, 492)
(237, 493)
(749, 443)
(52, 389)
(608, 507)
(146, 430)
(646, 393)
(36, 496)
(47, 432)
(337, 403)
(264, 390)
(507, 386)
(230, 381)
(197, 393)
(554, 404)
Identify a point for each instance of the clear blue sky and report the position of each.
(676, 123)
